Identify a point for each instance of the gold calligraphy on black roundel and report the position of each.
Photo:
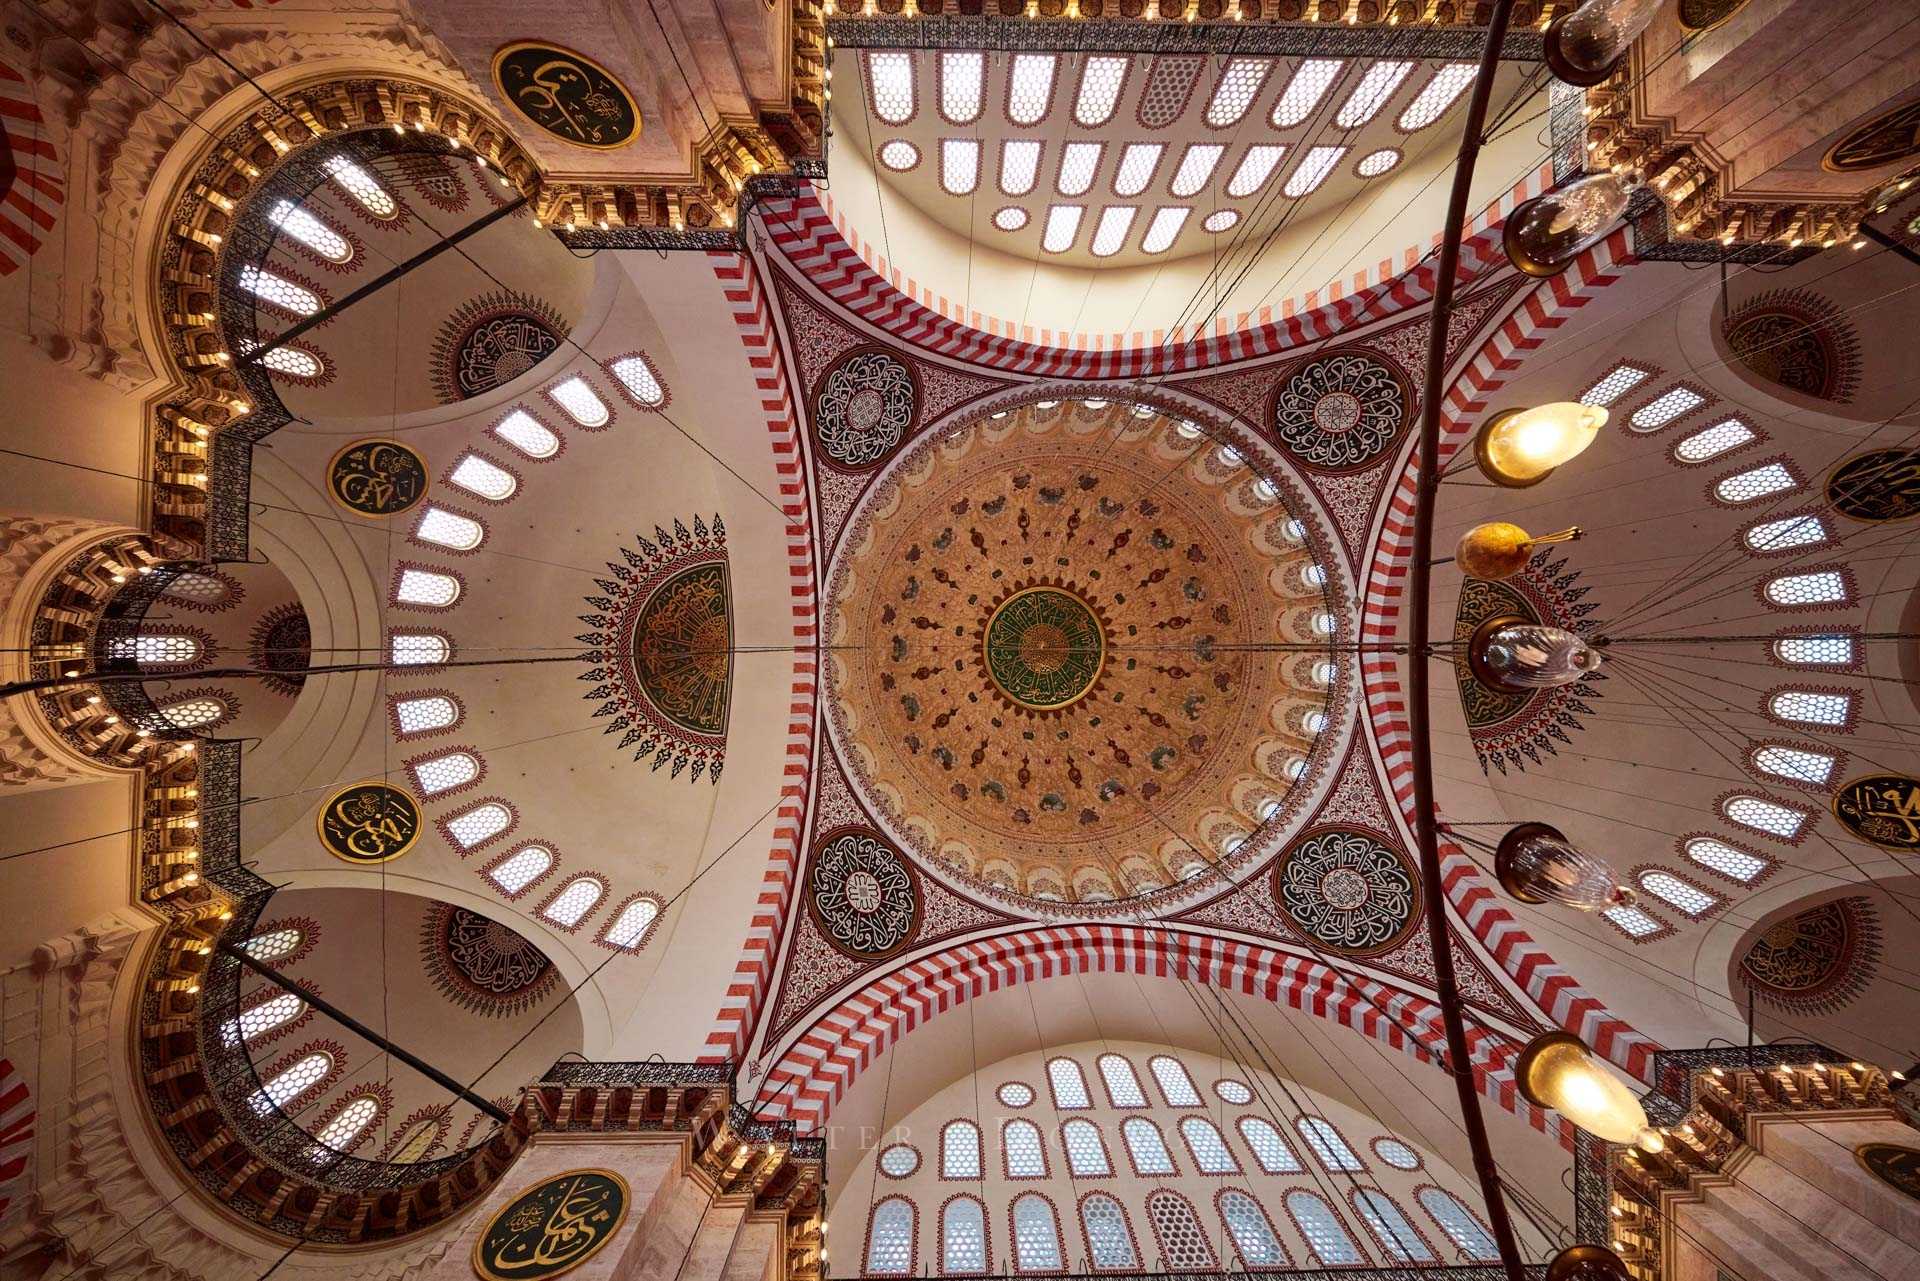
(552, 1227)
(1894, 1164)
(568, 94)
(1886, 138)
(1879, 485)
(1883, 809)
(377, 477)
(369, 823)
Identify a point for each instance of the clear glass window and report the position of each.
(522, 868)
(1766, 816)
(1812, 707)
(1664, 408)
(471, 827)
(1026, 1158)
(1833, 650)
(1310, 82)
(1239, 86)
(423, 587)
(1371, 94)
(260, 1019)
(1268, 1148)
(571, 905)
(629, 929)
(1756, 482)
(1209, 1149)
(419, 715)
(361, 185)
(349, 1123)
(1460, 1224)
(960, 1150)
(311, 232)
(1675, 892)
(636, 375)
(1796, 764)
(1438, 95)
(443, 773)
(1036, 1240)
(1396, 1235)
(1123, 1087)
(1109, 1240)
(1614, 384)
(580, 401)
(963, 1236)
(1069, 1084)
(1145, 1147)
(1086, 1154)
(1030, 87)
(448, 529)
(1176, 1087)
(891, 75)
(890, 1241)
(1100, 79)
(418, 649)
(962, 74)
(1725, 859)
(1328, 1147)
(1322, 1228)
(524, 432)
(284, 1088)
(1711, 442)
(1252, 1234)
(479, 477)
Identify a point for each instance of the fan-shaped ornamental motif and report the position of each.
(1815, 961)
(1348, 890)
(482, 964)
(865, 407)
(1799, 340)
(1340, 411)
(862, 894)
(663, 635)
(491, 341)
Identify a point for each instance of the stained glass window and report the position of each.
(890, 1240)
(1086, 1154)
(960, 1150)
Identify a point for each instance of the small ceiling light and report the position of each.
(1516, 656)
(1544, 235)
(1536, 864)
(1521, 447)
(1499, 550)
(1585, 46)
(1587, 1263)
(1558, 1071)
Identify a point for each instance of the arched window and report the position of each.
(1676, 402)
(960, 1150)
(292, 360)
(258, 1020)
(192, 713)
(1779, 535)
(311, 232)
(1109, 1238)
(1401, 1242)
(631, 924)
(361, 185)
(1672, 890)
(275, 944)
(1086, 1152)
(1252, 1233)
(420, 649)
(580, 402)
(1176, 1087)
(1711, 442)
(576, 898)
(1834, 649)
(348, 1125)
(636, 374)
(1767, 816)
(480, 824)
(1633, 922)
(1069, 1084)
(1123, 1087)
(1460, 1224)
(1819, 587)
(449, 529)
(1269, 1149)
(1145, 1147)
(1796, 765)
(1209, 1149)
(1183, 1246)
(157, 649)
(963, 1236)
(1322, 1229)
(1449, 81)
(1331, 1150)
(1323, 672)
(425, 715)
(1325, 624)
(417, 1140)
(1025, 1155)
(206, 590)
(1813, 707)
(1731, 862)
(525, 433)
(279, 291)
(285, 1087)
(439, 774)
(1757, 482)
(483, 479)
(1315, 575)
(521, 868)
(1036, 1234)
(1314, 722)
(890, 1238)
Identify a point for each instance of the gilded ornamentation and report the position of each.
(861, 894)
(491, 341)
(1043, 648)
(1894, 1164)
(1815, 961)
(1698, 15)
(1879, 485)
(1883, 809)
(1799, 340)
(282, 645)
(567, 94)
(553, 1227)
(369, 823)
(482, 964)
(1341, 411)
(865, 407)
(1348, 890)
(377, 477)
(663, 638)
(1884, 140)
(1511, 730)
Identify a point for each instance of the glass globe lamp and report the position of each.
(1558, 1071)
(1544, 235)
(1584, 47)
(1517, 656)
(1587, 1263)
(1536, 864)
(1521, 447)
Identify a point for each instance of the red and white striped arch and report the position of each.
(815, 1070)
(1548, 984)
(17, 1116)
(32, 203)
(832, 256)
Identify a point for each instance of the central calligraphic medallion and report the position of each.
(552, 1227)
(1043, 648)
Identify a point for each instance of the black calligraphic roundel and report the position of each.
(553, 1227)
(369, 823)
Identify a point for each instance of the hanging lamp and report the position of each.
(1544, 235)
(1521, 447)
(1587, 1263)
(1535, 863)
(1585, 47)
(1516, 655)
(1558, 1071)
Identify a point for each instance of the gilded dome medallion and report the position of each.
(1075, 653)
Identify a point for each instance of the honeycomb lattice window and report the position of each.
(1123, 1087)
(1328, 1147)
(1145, 1147)
(1239, 86)
(444, 773)
(1309, 84)
(1795, 764)
(1100, 80)
(890, 1240)
(1182, 1242)
(293, 1081)
(962, 76)
(1020, 1142)
(1322, 1229)
(522, 868)
(361, 185)
(1763, 815)
(1397, 1237)
(524, 432)
(262, 1018)
(479, 477)
(963, 1236)
(1069, 1084)
(890, 73)
(1109, 1240)
(960, 1150)
(1253, 1236)
(1176, 1087)
(311, 232)
(279, 291)
(1268, 1148)
(1209, 1150)
(1754, 483)
(1086, 1154)
(1812, 707)
(1036, 1238)
(1820, 587)
(483, 822)
(1794, 531)
(1711, 442)
(348, 1124)
(1460, 1224)
(1676, 893)
(1437, 96)
(419, 648)
(1371, 94)
(1030, 87)
(1725, 859)
(1832, 650)
(424, 587)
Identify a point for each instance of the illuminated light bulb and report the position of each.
(1518, 448)
(1584, 47)
(1650, 1140)
(1511, 654)
(1498, 549)
(71, 672)
(1537, 864)
(1558, 1071)
(1544, 235)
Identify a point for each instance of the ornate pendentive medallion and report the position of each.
(1341, 411)
(482, 964)
(1879, 485)
(1883, 809)
(491, 341)
(1894, 1164)
(1815, 961)
(864, 408)
(369, 823)
(567, 94)
(1348, 890)
(663, 636)
(553, 1227)
(377, 477)
(1884, 140)
(1799, 340)
(861, 894)
(282, 645)
(1043, 647)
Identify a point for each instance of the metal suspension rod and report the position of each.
(1419, 691)
(360, 1029)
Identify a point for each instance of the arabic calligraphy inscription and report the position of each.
(1879, 485)
(552, 1227)
(369, 823)
(1894, 1164)
(1883, 809)
(377, 477)
(570, 96)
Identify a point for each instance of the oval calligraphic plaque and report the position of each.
(1883, 809)
(1879, 485)
(1884, 140)
(553, 1227)
(369, 823)
(567, 94)
(377, 477)
(1894, 1164)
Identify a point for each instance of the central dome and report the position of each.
(1075, 652)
